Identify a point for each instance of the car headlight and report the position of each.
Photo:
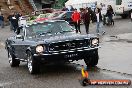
(95, 42)
(39, 49)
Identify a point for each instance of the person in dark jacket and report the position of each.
(86, 19)
(17, 15)
(92, 14)
(76, 19)
(110, 14)
(14, 22)
(2, 21)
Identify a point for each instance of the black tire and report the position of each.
(92, 59)
(12, 59)
(33, 66)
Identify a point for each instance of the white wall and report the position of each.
(81, 3)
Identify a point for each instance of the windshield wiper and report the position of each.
(65, 31)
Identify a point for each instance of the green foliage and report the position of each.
(33, 18)
(60, 4)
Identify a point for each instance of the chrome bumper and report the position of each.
(68, 51)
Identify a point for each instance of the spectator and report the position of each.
(17, 15)
(2, 21)
(98, 20)
(81, 14)
(14, 22)
(86, 20)
(9, 19)
(76, 19)
(110, 14)
(92, 14)
(22, 21)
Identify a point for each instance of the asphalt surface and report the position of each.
(115, 63)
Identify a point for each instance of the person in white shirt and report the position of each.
(98, 21)
(22, 21)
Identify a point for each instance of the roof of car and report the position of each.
(46, 21)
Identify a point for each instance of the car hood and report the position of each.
(61, 37)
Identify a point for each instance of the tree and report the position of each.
(60, 4)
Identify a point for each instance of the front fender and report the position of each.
(31, 49)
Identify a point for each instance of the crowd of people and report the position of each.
(88, 16)
(13, 19)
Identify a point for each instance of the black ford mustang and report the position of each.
(51, 41)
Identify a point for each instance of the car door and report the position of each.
(20, 45)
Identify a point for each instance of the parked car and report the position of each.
(42, 17)
(63, 15)
(58, 15)
(50, 42)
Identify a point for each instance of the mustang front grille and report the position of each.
(69, 45)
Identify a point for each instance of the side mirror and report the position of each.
(20, 37)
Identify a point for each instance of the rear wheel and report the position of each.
(33, 66)
(12, 59)
(92, 59)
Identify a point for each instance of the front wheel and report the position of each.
(92, 59)
(12, 59)
(33, 66)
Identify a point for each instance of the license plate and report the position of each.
(70, 55)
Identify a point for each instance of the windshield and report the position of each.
(49, 27)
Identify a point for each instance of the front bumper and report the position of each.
(65, 55)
